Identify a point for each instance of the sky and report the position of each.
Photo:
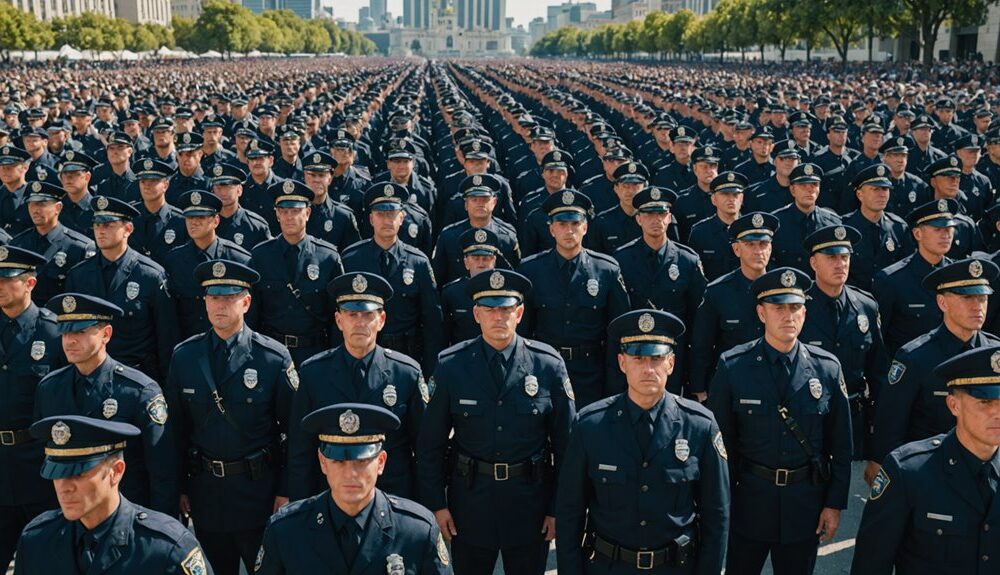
(523, 11)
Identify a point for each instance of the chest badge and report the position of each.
(109, 408)
(328, 225)
(312, 272)
(890, 245)
(815, 388)
(169, 236)
(681, 450)
(132, 290)
(394, 565)
(238, 238)
(674, 272)
(408, 276)
(531, 385)
(389, 395)
(593, 287)
(250, 378)
(863, 323)
(37, 350)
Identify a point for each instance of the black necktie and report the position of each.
(358, 376)
(644, 432)
(292, 261)
(987, 483)
(498, 371)
(88, 550)
(385, 264)
(221, 364)
(784, 375)
(350, 541)
(835, 308)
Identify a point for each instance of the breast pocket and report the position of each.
(678, 482)
(753, 415)
(610, 484)
(948, 534)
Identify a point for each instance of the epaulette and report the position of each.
(738, 349)
(914, 343)
(43, 519)
(269, 344)
(234, 246)
(453, 282)
(456, 348)
(401, 358)
(693, 407)
(294, 508)
(724, 278)
(535, 256)
(451, 225)
(629, 244)
(601, 256)
(134, 375)
(911, 449)
(356, 245)
(148, 262)
(323, 244)
(160, 523)
(505, 226)
(410, 508)
(607, 211)
(543, 347)
(47, 315)
(252, 215)
(683, 248)
(319, 356)
(194, 338)
(821, 353)
(597, 407)
(412, 250)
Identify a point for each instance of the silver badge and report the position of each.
(942, 205)
(863, 323)
(654, 194)
(70, 155)
(238, 238)
(808, 169)
(69, 304)
(359, 284)
(480, 236)
(995, 362)
(413, 230)
(975, 269)
(350, 423)
(425, 390)
(593, 287)
(312, 272)
(102, 203)
(880, 170)
(187, 138)
(328, 225)
(496, 280)
(3, 253)
(218, 269)
(890, 245)
(169, 236)
(131, 290)
(389, 395)
(148, 164)
(250, 378)
(757, 220)
(531, 385)
(815, 388)
(217, 170)
(674, 272)
(912, 196)
(477, 180)
(37, 350)
(195, 198)
(394, 565)
(681, 450)
(109, 408)
(59, 259)
(646, 323)
(388, 191)
(408, 276)
(288, 187)
(788, 278)
(61, 433)
(839, 232)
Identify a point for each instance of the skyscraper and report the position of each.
(377, 9)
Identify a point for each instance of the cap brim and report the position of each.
(72, 168)
(480, 252)
(971, 290)
(65, 469)
(631, 179)
(359, 306)
(476, 156)
(835, 250)
(150, 177)
(754, 238)
(783, 298)
(498, 301)
(40, 198)
(940, 223)
(647, 349)
(683, 139)
(224, 290)
(387, 207)
(75, 326)
(105, 219)
(981, 391)
(199, 213)
(879, 183)
(349, 452)
(188, 148)
(954, 173)
(787, 154)
(291, 204)
(258, 154)
(12, 272)
(567, 217)
(654, 210)
(226, 180)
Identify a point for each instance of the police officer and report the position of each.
(201, 217)
(908, 190)
(660, 273)
(230, 389)
(236, 223)
(413, 324)
(480, 252)
(31, 349)
(943, 176)
(359, 371)
(98, 385)
(96, 529)
(330, 220)
(616, 226)
(504, 430)
(934, 502)
(189, 175)
(885, 237)
(694, 203)
(256, 188)
(61, 246)
(782, 407)
(726, 318)
(159, 227)
(709, 237)
(75, 177)
(13, 169)
(908, 310)
(578, 293)
(115, 178)
(353, 526)
(645, 471)
(533, 232)
(844, 320)
(800, 218)
(910, 408)
(293, 305)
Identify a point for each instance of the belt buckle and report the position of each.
(218, 468)
(501, 472)
(566, 352)
(291, 341)
(644, 560)
(7, 438)
(781, 477)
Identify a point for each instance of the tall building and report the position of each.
(449, 28)
(144, 11)
(377, 12)
(49, 9)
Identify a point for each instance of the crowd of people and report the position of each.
(335, 314)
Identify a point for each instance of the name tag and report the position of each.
(468, 402)
(605, 467)
(835, 171)
(461, 310)
(939, 517)
(941, 394)
(749, 402)
(188, 390)
(732, 321)
(917, 305)
(709, 251)
(819, 343)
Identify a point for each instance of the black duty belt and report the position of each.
(294, 341)
(780, 477)
(15, 437)
(498, 471)
(569, 353)
(643, 560)
(254, 464)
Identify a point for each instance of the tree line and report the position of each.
(743, 26)
(222, 26)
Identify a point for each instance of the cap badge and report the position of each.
(61, 432)
(187, 138)
(496, 280)
(218, 269)
(477, 180)
(646, 323)
(757, 220)
(288, 187)
(788, 278)
(567, 198)
(880, 171)
(840, 233)
(680, 131)
(942, 205)
(217, 170)
(953, 161)
(359, 284)
(148, 165)
(480, 236)
(102, 203)
(3, 253)
(388, 191)
(631, 168)
(70, 154)
(195, 198)
(731, 177)
(349, 422)
(808, 169)
(557, 156)
(995, 362)
(475, 146)
(975, 269)
(69, 304)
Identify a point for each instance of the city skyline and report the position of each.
(522, 11)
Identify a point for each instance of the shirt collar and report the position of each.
(506, 352)
(635, 412)
(27, 317)
(339, 518)
(101, 530)
(773, 355)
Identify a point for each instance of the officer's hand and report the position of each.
(445, 523)
(279, 502)
(549, 527)
(829, 520)
(185, 506)
(701, 396)
(871, 470)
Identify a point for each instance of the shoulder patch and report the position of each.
(157, 409)
(879, 485)
(425, 389)
(194, 563)
(720, 445)
(442, 550)
(896, 371)
(568, 389)
(293, 377)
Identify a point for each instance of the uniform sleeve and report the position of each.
(559, 424)
(435, 557)
(160, 451)
(288, 383)
(572, 498)
(431, 319)
(439, 259)
(618, 304)
(191, 557)
(302, 458)
(526, 237)
(838, 434)
(168, 329)
(720, 403)
(713, 504)
(877, 362)
(886, 298)
(268, 560)
(883, 523)
(432, 443)
(892, 412)
(181, 425)
(703, 337)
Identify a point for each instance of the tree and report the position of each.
(183, 32)
(672, 34)
(20, 30)
(91, 31)
(928, 15)
(142, 39)
(317, 41)
(841, 21)
(227, 27)
(272, 37)
(652, 28)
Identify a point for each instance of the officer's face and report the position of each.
(896, 162)
(352, 483)
(293, 220)
(654, 224)
(934, 240)
(163, 138)
(290, 147)
(568, 235)
(228, 193)
(922, 135)
(805, 194)
(476, 166)
(872, 140)
(646, 375)
(498, 323)
(801, 133)
(13, 174)
(360, 328)
(831, 269)
(968, 312)
(542, 147)
(784, 165)
(225, 312)
(44, 214)
(555, 179)
(400, 168)
(994, 151)
(969, 156)
(782, 321)
(978, 420)
(476, 264)
(260, 166)
(16, 291)
(119, 154)
(85, 497)
(705, 172)
(211, 136)
(344, 157)
(626, 191)
(33, 144)
(386, 224)
(873, 198)
(611, 165)
(682, 151)
(761, 148)
(945, 115)
(946, 186)
(201, 227)
(76, 182)
(189, 162)
(728, 205)
(267, 123)
(753, 255)
(112, 235)
(480, 207)
(81, 346)
(153, 190)
(318, 182)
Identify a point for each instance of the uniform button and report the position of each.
(604, 480)
(499, 428)
(534, 412)
(500, 402)
(644, 488)
(645, 464)
(986, 527)
(642, 523)
(465, 414)
(939, 532)
(986, 557)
